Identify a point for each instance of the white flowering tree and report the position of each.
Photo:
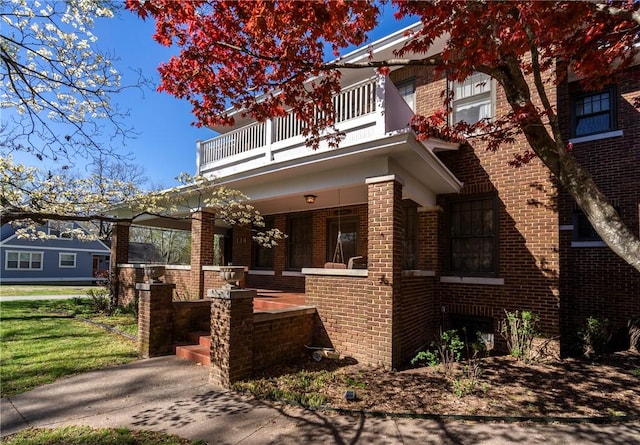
(56, 86)
(56, 99)
(29, 197)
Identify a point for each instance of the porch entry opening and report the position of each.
(348, 228)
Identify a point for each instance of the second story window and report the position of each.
(472, 99)
(593, 113)
(60, 229)
(407, 90)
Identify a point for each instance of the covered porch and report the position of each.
(379, 196)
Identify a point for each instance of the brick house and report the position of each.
(440, 234)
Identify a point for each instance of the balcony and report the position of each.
(365, 111)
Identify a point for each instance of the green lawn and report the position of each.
(38, 290)
(39, 346)
(82, 435)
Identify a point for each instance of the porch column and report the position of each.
(384, 264)
(203, 227)
(232, 331)
(155, 319)
(119, 255)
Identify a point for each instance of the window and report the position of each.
(263, 256)
(60, 229)
(472, 99)
(474, 234)
(594, 113)
(299, 242)
(23, 260)
(410, 235)
(348, 228)
(407, 90)
(67, 260)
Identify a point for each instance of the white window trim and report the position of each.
(492, 97)
(588, 244)
(20, 269)
(597, 136)
(61, 266)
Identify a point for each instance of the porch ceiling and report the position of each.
(338, 178)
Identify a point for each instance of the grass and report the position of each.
(40, 346)
(302, 388)
(82, 435)
(36, 290)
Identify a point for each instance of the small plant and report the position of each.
(463, 386)
(430, 358)
(447, 349)
(519, 329)
(595, 336)
(634, 334)
(100, 300)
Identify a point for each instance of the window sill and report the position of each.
(473, 280)
(418, 273)
(261, 272)
(292, 273)
(588, 244)
(596, 137)
(335, 272)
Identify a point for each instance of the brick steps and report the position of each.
(200, 352)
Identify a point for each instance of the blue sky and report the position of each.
(166, 144)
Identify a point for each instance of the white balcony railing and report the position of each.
(359, 114)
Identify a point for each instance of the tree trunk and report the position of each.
(577, 180)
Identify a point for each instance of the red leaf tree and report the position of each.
(263, 57)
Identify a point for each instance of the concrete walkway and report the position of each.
(173, 395)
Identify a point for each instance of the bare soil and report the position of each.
(505, 387)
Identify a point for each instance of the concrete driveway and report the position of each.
(173, 395)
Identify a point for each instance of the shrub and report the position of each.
(100, 301)
(594, 336)
(519, 329)
(446, 349)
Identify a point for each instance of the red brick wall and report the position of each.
(595, 281)
(189, 316)
(280, 340)
(128, 277)
(418, 316)
(181, 278)
(528, 250)
(345, 321)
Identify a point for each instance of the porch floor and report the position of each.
(277, 299)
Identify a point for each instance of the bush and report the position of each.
(446, 349)
(519, 329)
(100, 301)
(595, 336)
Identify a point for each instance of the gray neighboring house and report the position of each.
(63, 259)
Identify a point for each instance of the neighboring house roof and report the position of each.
(9, 238)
